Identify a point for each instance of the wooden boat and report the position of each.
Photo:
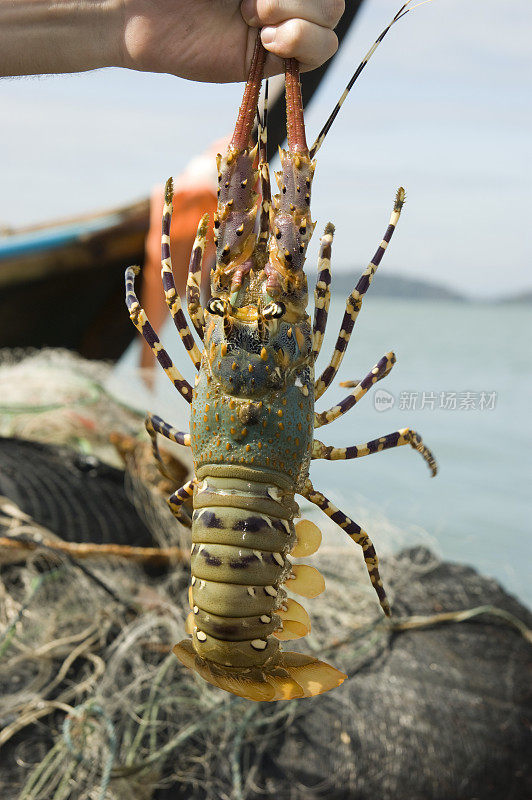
(62, 284)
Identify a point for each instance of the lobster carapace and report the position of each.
(252, 411)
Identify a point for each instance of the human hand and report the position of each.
(204, 40)
(213, 40)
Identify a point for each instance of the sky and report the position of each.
(444, 109)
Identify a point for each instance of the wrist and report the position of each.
(110, 24)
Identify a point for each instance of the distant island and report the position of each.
(396, 286)
(413, 289)
(522, 297)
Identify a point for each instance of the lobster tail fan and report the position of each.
(239, 682)
(190, 624)
(295, 621)
(293, 675)
(308, 539)
(306, 581)
(314, 676)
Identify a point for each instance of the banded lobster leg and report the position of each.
(173, 301)
(395, 439)
(322, 292)
(138, 316)
(357, 534)
(381, 369)
(354, 301)
(194, 307)
(155, 425)
(142, 324)
(180, 496)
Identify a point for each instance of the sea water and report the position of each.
(462, 380)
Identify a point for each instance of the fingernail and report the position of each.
(268, 36)
(247, 9)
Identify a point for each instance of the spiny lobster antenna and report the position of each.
(246, 114)
(326, 128)
(265, 193)
(295, 124)
(265, 109)
(262, 122)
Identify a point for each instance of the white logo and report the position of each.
(383, 400)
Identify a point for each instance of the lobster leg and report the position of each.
(379, 371)
(155, 425)
(173, 301)
(142, 324)
(357, 534)
(176, 500)
(395, 439)
(194, 307)
(354, 301)
(322, 292)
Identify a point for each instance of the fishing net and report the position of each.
(56, 397)
(95, 706)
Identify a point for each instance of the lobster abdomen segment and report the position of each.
(239, 564)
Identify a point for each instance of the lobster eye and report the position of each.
(273, 310)
(216, 306)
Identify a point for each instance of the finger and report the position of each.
(258, 13)
(275, 66)
(310, 44)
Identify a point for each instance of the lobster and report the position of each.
(252, 408)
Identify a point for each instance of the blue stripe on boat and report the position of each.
(54, 237)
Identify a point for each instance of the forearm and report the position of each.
(205, 40)
(52, 36)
